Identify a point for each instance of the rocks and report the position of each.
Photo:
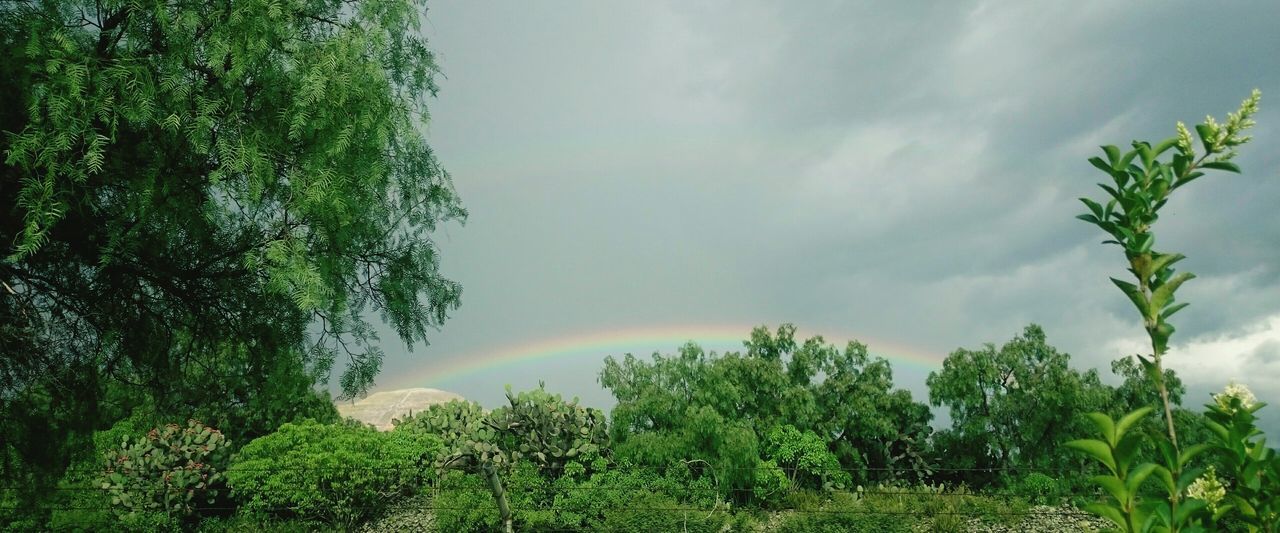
(380, 408)
(410, 516)
(1044, 519)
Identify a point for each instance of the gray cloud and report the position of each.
(891, 170)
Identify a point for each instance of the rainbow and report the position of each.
(642, 341)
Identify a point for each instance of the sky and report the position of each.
(901, 173)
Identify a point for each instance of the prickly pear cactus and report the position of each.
(536, 425)
(550, 431)
(170, 470)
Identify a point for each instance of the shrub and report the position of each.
(82, 504)
(1040, 489)
(806, 456)
(771, 483)
(605, 501)
(340, 474)
(464, 504)
(170, 471)
(588, 504)
(845, 512)
(647, 512)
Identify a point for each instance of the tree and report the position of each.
(200, 198)
(1010, 407)
(843, 396)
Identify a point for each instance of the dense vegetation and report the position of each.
(202, 204)
(206, 203)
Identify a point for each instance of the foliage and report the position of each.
(806, 457)
(171, 470)
(1139, 193)
(1040, 489)
(535, 425)
(844, 512)
(1010, 406)
(1252, 491)
(606, 500)
(255, 522)
(844, 395)
(709, 445)
(80, 503)
(336, 473)
(770, 483)
(199, 200)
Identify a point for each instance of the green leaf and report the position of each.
(1094, 207)
(1126, 160)
(1109, 512)
(1165, 145)
(1105, 426)
(1188, 178)
(1166, 478)
(1134, 294)
(1139, 475)
(1130, 419)
(1115, 487)
(1222, 165)
(1186, 508)
(1190, 452)
(1148, 156)
(1169, 311)
(1162, 295)
(1102, 165)
(1206, 137)
(1096, 449)
(1113, 155)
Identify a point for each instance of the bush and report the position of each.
(771, 484)
(604, 501)
(169, 471)
(589, 504)
(1040, 489)
(845, 512)
(806, 456)
(649, 512)
(340, 474)
(464, 504)
(81, 504)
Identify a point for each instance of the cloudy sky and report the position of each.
(901, 174)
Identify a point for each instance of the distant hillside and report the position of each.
(380, 407)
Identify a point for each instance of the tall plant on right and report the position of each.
(1142, 184)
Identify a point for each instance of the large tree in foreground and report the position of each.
(202, 201)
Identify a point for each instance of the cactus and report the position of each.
(536, 425)
(169, 470)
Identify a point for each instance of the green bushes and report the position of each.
(1040, 489)
(610, 500)
(341, 474)
(806, 456)
(170, 471)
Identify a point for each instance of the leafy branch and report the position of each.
(1141, 186)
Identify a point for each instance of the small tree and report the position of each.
(536, 426)
(1142, 185)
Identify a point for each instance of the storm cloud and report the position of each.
(882, 169)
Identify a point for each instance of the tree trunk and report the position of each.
(500, 496)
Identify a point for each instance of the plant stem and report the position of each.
(500, 496)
